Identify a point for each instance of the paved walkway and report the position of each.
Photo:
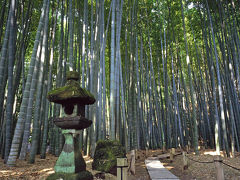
(157, 171)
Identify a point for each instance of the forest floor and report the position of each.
(44, 167)
(200, 169)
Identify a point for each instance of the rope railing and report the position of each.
(231, 166)
(221, 161)
(218, 161)
(237, 155)
(199, 161)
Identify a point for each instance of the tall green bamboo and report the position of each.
(31, 98)
(112, 75)
(49, 86)
(84, 40)
(42, 70)
(219, 83)
(10, 94)
(21, 119)
(71, 30)
(192, 92)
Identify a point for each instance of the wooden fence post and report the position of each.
(187, 148)
(172, 153)
(122, 166)
(219, 168)
(164, 149)
(185, 162)
(132, 162)
(147, 153)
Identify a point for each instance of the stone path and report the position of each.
(157, 171)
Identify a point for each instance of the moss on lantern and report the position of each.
(71, 93)
(106, 154)
(72, 75)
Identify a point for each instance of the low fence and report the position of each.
(218, 161)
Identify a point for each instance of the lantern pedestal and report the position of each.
(70, 159)
(70, 164)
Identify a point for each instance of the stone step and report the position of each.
(157, 171)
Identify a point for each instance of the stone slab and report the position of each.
(165, 179)
(154, 165)
(161, 175)
(156, 170)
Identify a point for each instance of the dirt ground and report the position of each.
(44, 167)
(201, 171)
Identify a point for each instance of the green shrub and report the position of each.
(106, 154)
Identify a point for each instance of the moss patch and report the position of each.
(71, 93)
(72, 75)
(106, 154)
(84, 175)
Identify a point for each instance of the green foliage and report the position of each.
(85, 175)
(106, 154)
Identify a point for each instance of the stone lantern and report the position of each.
(73, 99)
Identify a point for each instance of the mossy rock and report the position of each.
(84, 175)
(106, 154)
(71, 93)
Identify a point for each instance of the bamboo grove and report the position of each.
(164, 73)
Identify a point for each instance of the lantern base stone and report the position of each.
(70, 164)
